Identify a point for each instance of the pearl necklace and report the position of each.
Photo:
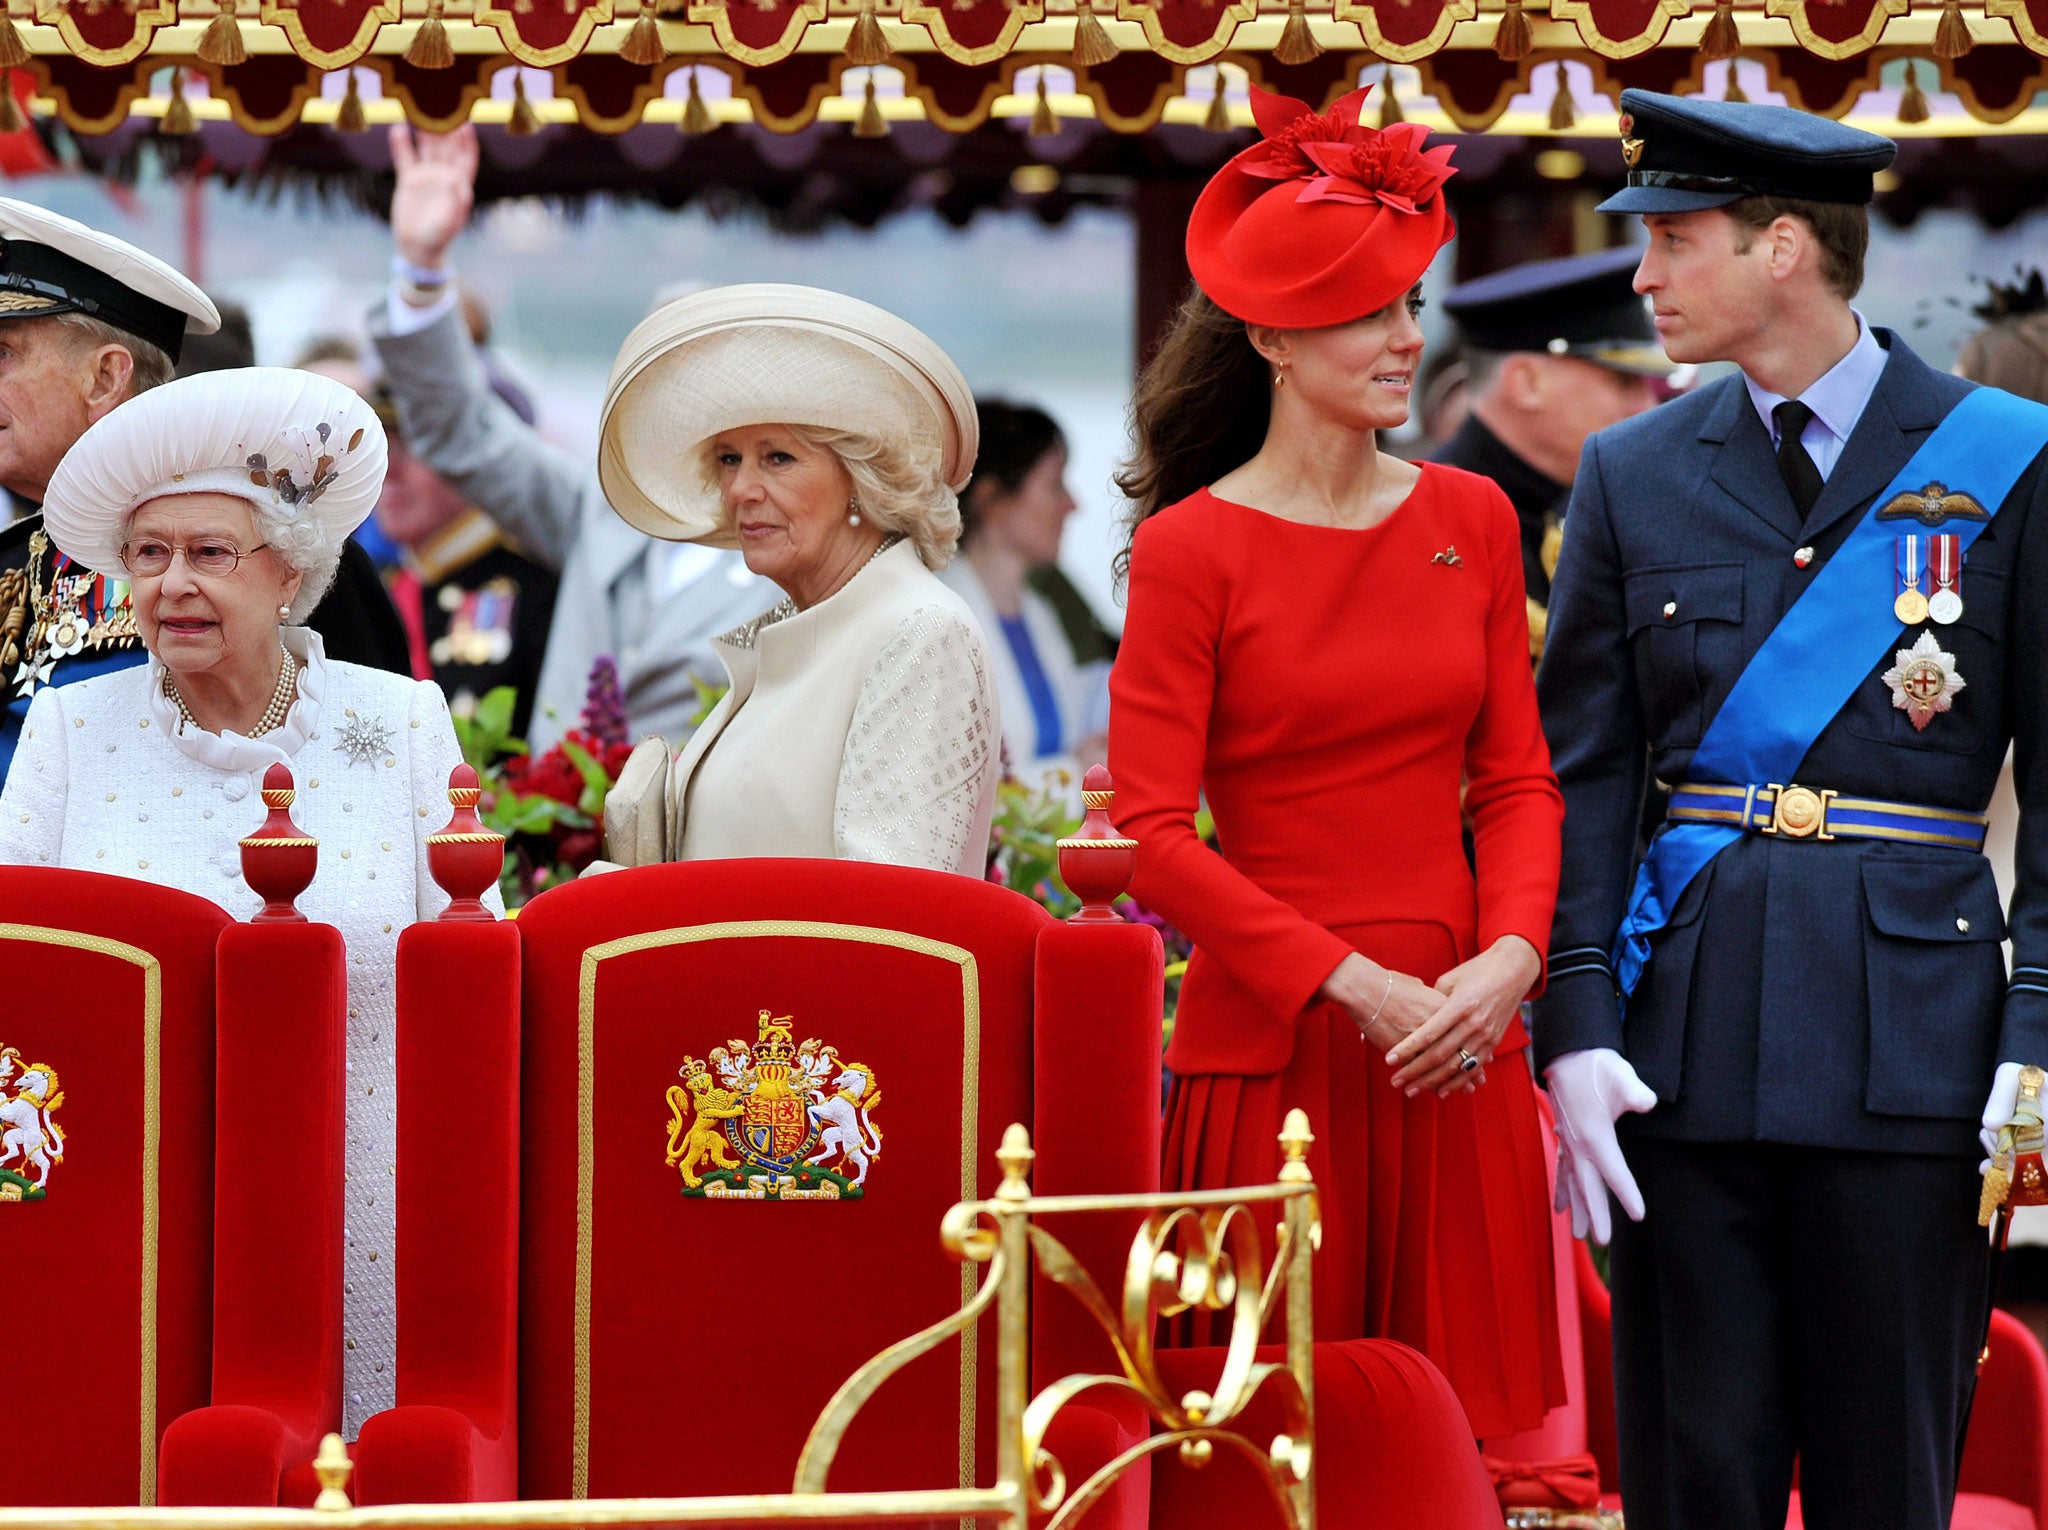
(273, 717)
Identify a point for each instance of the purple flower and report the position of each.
(604, 703)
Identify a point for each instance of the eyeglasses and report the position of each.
(147, 557)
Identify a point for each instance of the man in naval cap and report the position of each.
(87, 322)
(1555, 350)
(1802, 609)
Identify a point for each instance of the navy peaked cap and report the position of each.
(1582, 305)
(1685, 153)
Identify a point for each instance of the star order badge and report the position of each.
(1923, 681)
(773, 1120)
(31, 1142)
(365, 740)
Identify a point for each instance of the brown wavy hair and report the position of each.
(1201, 409)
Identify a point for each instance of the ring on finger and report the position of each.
(1466, 1061)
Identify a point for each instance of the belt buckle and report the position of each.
(1799, 812)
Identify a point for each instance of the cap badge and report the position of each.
(1933, 505)
(1923, 681)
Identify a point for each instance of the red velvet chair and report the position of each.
(679, 1337)
(453, 1438)
(2004, 1480)
(110, 988)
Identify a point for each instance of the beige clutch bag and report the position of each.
(636, 809)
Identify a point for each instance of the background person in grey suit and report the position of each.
(654, 606)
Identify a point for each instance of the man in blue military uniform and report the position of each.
(1807, 607)
(1555, 350)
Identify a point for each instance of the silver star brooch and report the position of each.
(364, 740)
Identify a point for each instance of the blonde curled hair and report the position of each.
(900, 488)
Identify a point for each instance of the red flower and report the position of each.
(1342, 160)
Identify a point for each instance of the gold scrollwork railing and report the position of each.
(1196, 1251)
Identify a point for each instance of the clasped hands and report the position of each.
(1423, 1027)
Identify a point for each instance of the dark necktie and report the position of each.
(1794, 465)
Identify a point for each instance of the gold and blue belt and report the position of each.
(1803, 812)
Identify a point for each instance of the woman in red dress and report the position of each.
(1333, 644)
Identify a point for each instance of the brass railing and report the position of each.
(1196, 1251)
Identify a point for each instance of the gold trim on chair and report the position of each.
(152, 1140)
(586, 1131)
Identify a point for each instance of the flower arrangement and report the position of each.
(1341, 159)
(549, 807)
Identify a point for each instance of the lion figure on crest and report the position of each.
(847, 1133)
(703, 1144)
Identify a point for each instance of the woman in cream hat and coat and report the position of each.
(826, 439)
(224, 499)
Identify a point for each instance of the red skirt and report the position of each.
(1436, 1213)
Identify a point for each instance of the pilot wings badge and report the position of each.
(1933, 505)
(772, 1120)
(31, 1141)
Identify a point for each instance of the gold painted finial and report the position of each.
(331, 1468)
(2031, 1081)
(1015, 1155)
(1295, 1139)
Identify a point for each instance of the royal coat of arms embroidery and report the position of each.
(774, 1120)
(31, 1142)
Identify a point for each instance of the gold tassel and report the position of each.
(1297, 43)
(13, 51)
(1563, 115)
(524, 121)
(696, 115)
(1043, 121)
(867, 44)
(178, 119)
(11, 118)
(872, 124)
(1217, 119)
(1722, 39)
(429, 48)
(1913, 100)
(221, 42)
(1734, 91)
(1952, 34)
(1513, 42)
(643, 44)
(1390, 105)
(350, 116)
(1091, 39)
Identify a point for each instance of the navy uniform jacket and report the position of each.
(1850, 994)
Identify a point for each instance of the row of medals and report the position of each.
(64, 625)
(1925, 678)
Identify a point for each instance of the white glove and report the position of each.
(1589, 1091)
(1998, 1110)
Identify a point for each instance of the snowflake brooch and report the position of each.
(364, 740)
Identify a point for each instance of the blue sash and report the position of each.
(1816, 657)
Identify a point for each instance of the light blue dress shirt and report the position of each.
(1837, 400)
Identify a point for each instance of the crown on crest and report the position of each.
(774, 1045)
(692, 1070)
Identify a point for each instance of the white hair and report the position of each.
(153, 366)
(899, 488)
(299, 541)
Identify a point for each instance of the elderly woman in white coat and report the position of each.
(224, 500)
(827, 440)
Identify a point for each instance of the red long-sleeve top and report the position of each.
(1330, 690)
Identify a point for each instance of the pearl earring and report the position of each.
(853, 511)
(284, 613)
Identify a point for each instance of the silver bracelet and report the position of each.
(1383, 1000)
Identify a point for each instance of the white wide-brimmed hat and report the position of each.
(766, 354)
(297, 446)
(51, 264)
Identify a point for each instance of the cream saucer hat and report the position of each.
(767, 354)
(298, 446)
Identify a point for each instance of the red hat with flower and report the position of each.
(1323, 222)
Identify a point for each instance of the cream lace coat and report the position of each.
(865, 728)
(105, 781)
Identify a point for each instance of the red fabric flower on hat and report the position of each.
(1340, 159)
